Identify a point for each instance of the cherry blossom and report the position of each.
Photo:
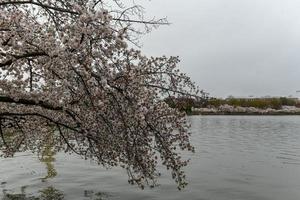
(69, 73)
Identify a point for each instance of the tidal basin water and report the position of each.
(237, 158)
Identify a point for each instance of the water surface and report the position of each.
(237, 158)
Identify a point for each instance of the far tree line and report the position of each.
(186, 104)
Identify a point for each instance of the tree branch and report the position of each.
(42, 104)
(26, 55)
(59, 9)
(38, 4)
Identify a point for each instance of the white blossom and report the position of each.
(68, 68)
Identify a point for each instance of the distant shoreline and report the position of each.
(237, 110)
(243, 113)
(237, 106)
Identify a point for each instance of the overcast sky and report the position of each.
(232, 47)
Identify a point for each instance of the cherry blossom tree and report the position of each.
(68, 75)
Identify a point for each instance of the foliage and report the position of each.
(262, 103)
(66, 65)
(183, 104)
(186, 104)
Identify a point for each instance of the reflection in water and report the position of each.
(95, 196)
(237, 157)
(49, 193)
(48, 158)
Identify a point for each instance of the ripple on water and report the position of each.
(237, 158)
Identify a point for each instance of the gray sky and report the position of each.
(231, 47)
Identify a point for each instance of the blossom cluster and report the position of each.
(68, 74)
